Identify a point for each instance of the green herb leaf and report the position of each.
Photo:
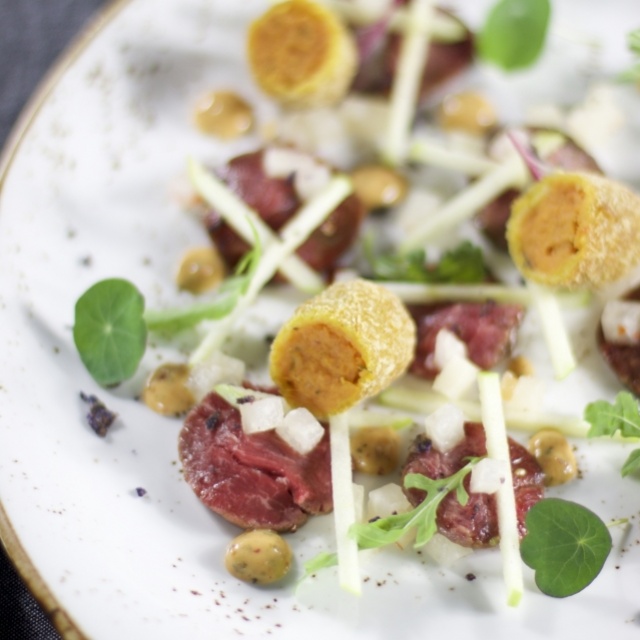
(384, 531)
(633, 73)
(461, 265)
(514, 33)
(608, 418)
(566, 544)
(622, 416)
(323, 560)
(464, 264)
(109, 330)
(227, 296)
(632, 463)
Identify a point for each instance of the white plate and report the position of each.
(86, 196)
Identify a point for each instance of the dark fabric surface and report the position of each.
(33, 33)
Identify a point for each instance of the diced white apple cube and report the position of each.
(262, 414)
(387, 500)
(488, 475)
(458, 379)
(448, 346)
(300, 430)
(445, 427)
(444, 552)
(621, 321)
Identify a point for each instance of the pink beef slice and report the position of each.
(475, 524)
(256, 480)
(275, 200)
(623, 359)
(444, 62)
(487, 328)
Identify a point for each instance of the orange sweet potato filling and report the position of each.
(548, 233)
(290, 44)
(320, 370)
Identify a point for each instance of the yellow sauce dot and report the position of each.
(166, 390)
(555, 455)
(223, 114)
(467, 111)
(379, 186)
(258, 556)
(201, 269)
(375, 450)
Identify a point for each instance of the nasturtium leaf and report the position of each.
(109, 330)
(566, 544)
(514, 33)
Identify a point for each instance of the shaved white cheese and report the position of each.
(345, 136)
(457, 380)
(488, 475)
(420, 202)
(262, 414)
(309, 175)
(596, 120)
(310, 180)
(548, 116)
(444, 552)
(447, 347)
(282, 162)
(621, 321)
(300, 430)
(216, 369)
(445, 427)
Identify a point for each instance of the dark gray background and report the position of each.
(33, 33)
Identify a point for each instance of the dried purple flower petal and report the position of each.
(537, 168)
(99, 417)
(371, 37)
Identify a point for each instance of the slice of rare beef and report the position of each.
(276, 202)
(623, 359)
(476, 523)
(487, 328)
(256, 480)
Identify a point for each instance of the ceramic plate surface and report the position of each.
(89, 193)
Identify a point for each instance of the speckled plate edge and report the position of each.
(61, 620)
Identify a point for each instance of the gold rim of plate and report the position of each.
(61, 620)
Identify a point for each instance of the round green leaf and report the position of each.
(109, 330)
(514, 33)
(566, 545)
